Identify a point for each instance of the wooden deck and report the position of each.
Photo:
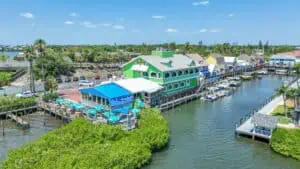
(20, 122)
(56, 112)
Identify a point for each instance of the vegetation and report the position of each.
(81, 144)
(279, 111)
(3, 57)
(282, 90)
(51, 84)
(286, 142)
(5, 78)
(12, 103)
(50, 96)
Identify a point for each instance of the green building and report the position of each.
(176, 73)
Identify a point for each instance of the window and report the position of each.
(182, 84)
(186, 72)
(176, 85)
(180, 73)
(153, 74)
(167, 75)
(170, 87)
(188, 82)
(197, 70)
(158, 75)
(145, 74)
(191, 71)
(174, 74)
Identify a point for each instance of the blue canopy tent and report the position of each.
(116, 95)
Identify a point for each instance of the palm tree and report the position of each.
(40, 46)
(282, 90)
(292, 94)
(29, 55)
(296, 68)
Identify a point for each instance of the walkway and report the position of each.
(247, 127)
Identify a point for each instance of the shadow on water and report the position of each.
(202, 134)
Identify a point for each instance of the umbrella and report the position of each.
(108, 114)
(114, 119)
(100, 108)
(92, 112)
(59, 100)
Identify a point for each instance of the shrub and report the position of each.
(50, 96)
(81, 144)
(286, 142)
(11, 103)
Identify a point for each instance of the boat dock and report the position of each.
(247, 125)
(55, 112)
(20, 122)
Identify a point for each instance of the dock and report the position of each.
(20, 122)
(55, 112)
(247, 126)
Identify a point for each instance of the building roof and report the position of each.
(108, 91)
(170, 63)
(283, 56)
(138, 85)
(196, 57)
(229, 59)
(247, 58)
(266, 121)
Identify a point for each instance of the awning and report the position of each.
(141, 68)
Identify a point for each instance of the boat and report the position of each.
(281, 72)
(246, 77)
(234, 83)
(211, 97)
(259, 77)
(223, 85)
(262, 72)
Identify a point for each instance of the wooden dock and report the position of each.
(20, 122)
(55, 112)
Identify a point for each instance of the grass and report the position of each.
(286, 142)
(284, 120)
(5, 78)
(279, 111)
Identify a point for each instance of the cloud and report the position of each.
(119, 27)
(27, 15)
(214, 30)
(203, 30)
(202, 3)
(106, 24)
(73, 14)
(69, 22)
(231, 15)
(158, 17)
(171, 30)
(88, 24)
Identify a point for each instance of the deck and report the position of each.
(18, 120)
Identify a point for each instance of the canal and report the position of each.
(202, 134)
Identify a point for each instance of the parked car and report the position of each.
(25, 94)
(86, 83)
(59, 80)
(68, 79)
(97, 77)
(75, 79)
(82, 78)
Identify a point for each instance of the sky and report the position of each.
(149, 21)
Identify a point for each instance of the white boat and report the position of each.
(211, 97)
(281, 72)
(234, 83)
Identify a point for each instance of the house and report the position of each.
(176, 73)
(216, 63)
(143, 89)
(111, 95)
(202, 62)
(230, 62)
(285, 60)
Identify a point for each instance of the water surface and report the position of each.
(202, 134)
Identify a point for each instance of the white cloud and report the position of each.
(27, 15)
(158, 17)
(203, 3)
(231, 15)
(171, 30)
(119, 27)
(214, 30)
(73, 14)
(106, 24)
(203, 30)
(88, 24)
(69, 22)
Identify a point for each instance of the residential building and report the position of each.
(176, 73)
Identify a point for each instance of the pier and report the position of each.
(20, 122)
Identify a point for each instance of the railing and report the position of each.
(267, 101)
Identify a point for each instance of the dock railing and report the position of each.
(267, 101)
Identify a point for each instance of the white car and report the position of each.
(25, 94)
(86, 83)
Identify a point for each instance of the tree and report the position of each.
(282, 90)
(40, 47)
(30, 56)
(292, 94)
(260, 45)
(296, 68)
(187, 47)
(51, 84)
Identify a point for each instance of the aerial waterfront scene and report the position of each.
(204, 84)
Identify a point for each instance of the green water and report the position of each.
(202, 134)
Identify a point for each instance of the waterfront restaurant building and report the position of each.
(284, 60)
(176, 73)
(114, 97)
